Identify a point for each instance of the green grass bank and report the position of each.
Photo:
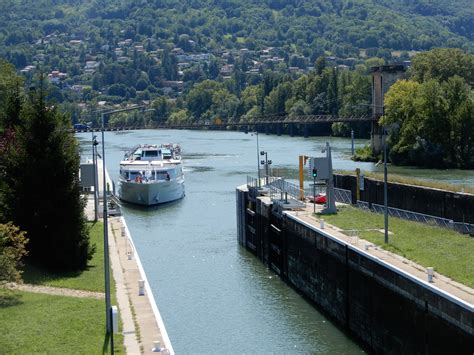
(449, 252)
(42, 323)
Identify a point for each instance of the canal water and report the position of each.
(213, 295)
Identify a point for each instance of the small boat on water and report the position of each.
(151, 174)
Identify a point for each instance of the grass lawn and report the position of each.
(33, 323)
(91, 279)
(450, 253)
(38, 323)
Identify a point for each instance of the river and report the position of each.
(213, 295)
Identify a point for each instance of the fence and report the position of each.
(464, 228)
(343, 196)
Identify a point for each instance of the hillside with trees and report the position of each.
(210, 60)
(134, 51)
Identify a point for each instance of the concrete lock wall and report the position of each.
(430, 201)
(383, 308)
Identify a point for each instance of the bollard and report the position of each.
(141, 287)
(429, 271)
(366, 246)
(115, 319)
(156, 346)
(321, 223)
(129, 255)
(123, 231)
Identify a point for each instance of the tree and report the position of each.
(320, 64)
(43, 179)
(10, 96)
(12, 250)
(275, 101)
(224, 104)
(199, 99)
(161, 109)
(181, 116)
(441, 64)
(431, 124)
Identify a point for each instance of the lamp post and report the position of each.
(108, 308)
(266, 163)
(258, 162)
(385, 192)
(384, 141)
(96, 184)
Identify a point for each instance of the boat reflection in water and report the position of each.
(151, 174)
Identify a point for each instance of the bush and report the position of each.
(12, 250)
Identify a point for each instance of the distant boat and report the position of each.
(151, 174)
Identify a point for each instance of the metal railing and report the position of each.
(252, 182)
(277, 187)
(286, 188)
(343, 196)
(460, 227)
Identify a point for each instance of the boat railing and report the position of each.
(129, 152)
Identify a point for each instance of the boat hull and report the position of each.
(152, 193)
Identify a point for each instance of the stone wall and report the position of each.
(384, 308)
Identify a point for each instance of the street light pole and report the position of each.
(385, 193)
(258, 161)
(108, 309)
(96, 184)
(266, 163)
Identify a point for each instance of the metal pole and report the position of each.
(96, 179)
(108, 317)
(352, 141)
(385, 185)
(258, 159)
(266, 167)
(314, 194)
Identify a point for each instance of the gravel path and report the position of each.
(58, 291)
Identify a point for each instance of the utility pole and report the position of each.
(108, 308)
(96, 183)
(385, 192)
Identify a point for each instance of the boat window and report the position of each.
(166, 154)
(151, 153)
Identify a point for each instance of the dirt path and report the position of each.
(58, 291)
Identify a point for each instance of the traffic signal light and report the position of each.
(315, 173)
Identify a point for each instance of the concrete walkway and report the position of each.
(140, 327)
(442, 282)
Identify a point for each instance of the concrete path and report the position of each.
(140, 327)
(58, 291)
(444, 283)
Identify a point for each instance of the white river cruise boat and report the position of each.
(151, 174)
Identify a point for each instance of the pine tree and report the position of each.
(43, 175)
